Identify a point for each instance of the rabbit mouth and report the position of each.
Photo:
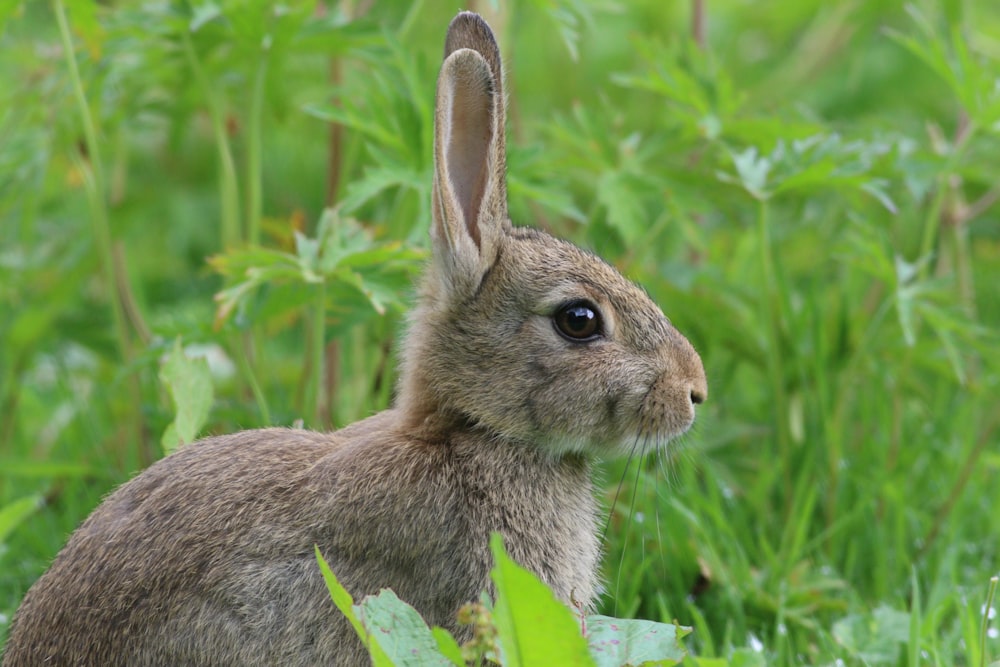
(651, 426)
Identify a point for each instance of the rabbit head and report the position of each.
(515, 331)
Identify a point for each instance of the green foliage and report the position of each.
(533, 627)
(809, 189)
(190, 385)
(529, 625)
(616, 641)
(15, 513)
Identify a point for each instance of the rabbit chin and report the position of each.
(628, 445)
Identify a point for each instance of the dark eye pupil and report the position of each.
(578, 321)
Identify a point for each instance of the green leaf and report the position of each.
(532, 626)
(745, 657)
(877, 638)
(616, 192)
(345, 603)
(378, 179)
(617, 641)
(202, 14)
(190, 385)
(22, 468)
(9, 9)
(15, 513)
(448, 646)
(400, 631)
(84, 21)
(752, 170)
(340, 596)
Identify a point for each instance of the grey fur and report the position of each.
(206, 558)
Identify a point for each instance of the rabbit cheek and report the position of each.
(578, 403)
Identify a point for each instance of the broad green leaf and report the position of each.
(532, 626)
(400, 631)
(617, 641)
(744, 657)
(345, 603)
(190, 385)
(448, 646)
(876, 638)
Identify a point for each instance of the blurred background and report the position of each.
(808, 189)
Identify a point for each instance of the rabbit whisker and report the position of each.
(641, 443)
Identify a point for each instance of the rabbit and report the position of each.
(525, 359)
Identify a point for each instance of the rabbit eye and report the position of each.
(578, 321)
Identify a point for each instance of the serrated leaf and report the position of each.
(617, 641)
(533, 627)
(752, 170)
(377, 180)
(622, 202)
(189, 383)
(357, 120)
(876, 188)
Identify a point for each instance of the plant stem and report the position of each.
(316, 394)
(411, 15)
(92, 169)
(776, 370)
(986, 620)
(985, 438)
(246, 370)
(120, 293)
(254, 150)
(698, 22)
(932, 223)
(228, 188)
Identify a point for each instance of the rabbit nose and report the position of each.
(698, 384)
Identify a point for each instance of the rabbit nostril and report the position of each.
(697, 397)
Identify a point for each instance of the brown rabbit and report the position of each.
(525, 358)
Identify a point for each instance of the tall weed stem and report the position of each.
(771, 305)
(92, 169)
(315, 395)
(254, 150)
(95, 183)
(984, 629)
(932, 223)
(242, 348)
(228, 187)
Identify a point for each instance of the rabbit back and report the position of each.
(207, 557)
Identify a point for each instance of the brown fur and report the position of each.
(206, 558)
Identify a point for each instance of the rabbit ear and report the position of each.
(470, 193)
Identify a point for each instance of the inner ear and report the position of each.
(470, 131)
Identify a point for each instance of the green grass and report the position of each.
(807, 188)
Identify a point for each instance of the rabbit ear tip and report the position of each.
(467, 25)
